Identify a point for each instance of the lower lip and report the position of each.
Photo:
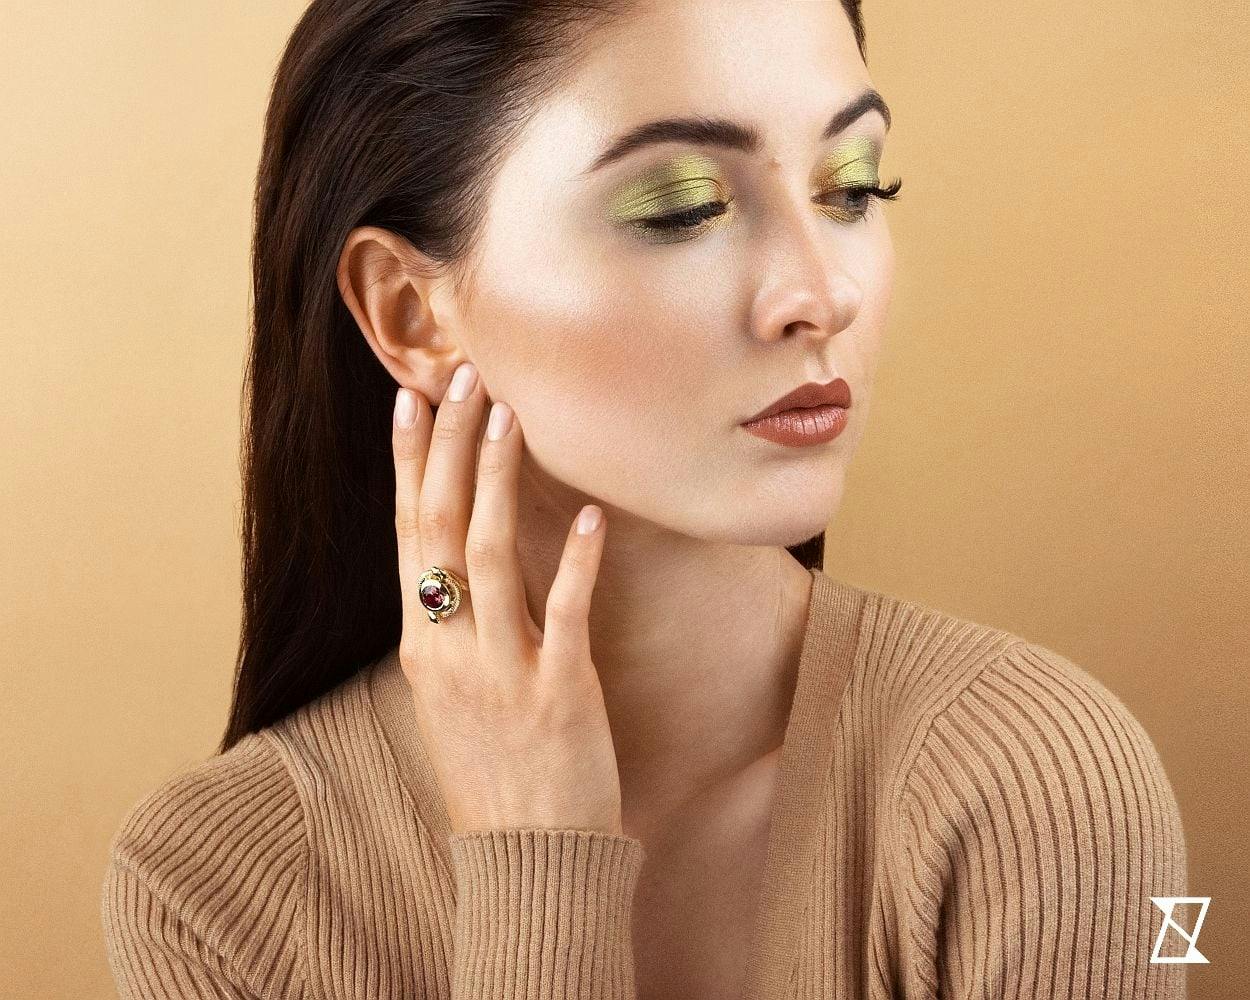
(800, 426)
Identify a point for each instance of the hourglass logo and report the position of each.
(1168, 904)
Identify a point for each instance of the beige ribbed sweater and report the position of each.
(959, 813)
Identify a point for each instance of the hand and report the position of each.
(512, 716)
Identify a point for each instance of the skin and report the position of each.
(629, 364)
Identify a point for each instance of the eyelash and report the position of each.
(691, 218)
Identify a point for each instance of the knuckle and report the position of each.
(410, 658)
(578, 561)
(564, 611)
(407, 656)
(446, 430)
(437, 676)
(482, 550)
(406, 447)
(407, 524)
(492, 464)
(434, 520)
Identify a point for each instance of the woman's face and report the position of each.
(632, 355)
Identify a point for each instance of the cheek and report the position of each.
(884, 271)
(601, 366)
(857, 349)
(878, 300)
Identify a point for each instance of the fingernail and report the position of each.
(588, 520)
(405, 408)
(500, 420)
(462, 382)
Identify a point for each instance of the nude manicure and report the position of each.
(462, 382)
(500, 420)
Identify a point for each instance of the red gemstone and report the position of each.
(433, 596)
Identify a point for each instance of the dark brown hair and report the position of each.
(389, 113)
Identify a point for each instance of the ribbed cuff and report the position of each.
(544, 914)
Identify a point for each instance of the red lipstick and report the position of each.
(811, 414)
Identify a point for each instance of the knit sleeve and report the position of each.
(1041, 823)
(202, 897)
(544, 914)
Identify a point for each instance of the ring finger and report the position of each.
(446, 501)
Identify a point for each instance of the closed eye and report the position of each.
(859, 200)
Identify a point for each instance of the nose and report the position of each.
(806, 289)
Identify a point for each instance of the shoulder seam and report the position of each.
(257, 750)
(921, 739)
(120, 863)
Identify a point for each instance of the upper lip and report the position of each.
(837, 393)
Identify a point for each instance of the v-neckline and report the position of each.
(829, 649)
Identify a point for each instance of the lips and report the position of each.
(810, 394)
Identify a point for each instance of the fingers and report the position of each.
(446, 497)
(456, 507)
(410, 429)
(500, 611)
(566, 629)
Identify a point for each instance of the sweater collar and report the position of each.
(831, 644)
(831, 640)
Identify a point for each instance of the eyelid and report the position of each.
(851, 163)
(691, 181)
(685, 181)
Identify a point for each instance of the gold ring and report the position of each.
(440, 591)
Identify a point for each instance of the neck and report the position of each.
(696, 645)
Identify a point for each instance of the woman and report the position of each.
(666, 755)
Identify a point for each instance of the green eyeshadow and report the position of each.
(677, 185)
(852, 163)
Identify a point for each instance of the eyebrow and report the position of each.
(726, 132)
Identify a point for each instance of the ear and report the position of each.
(390, 288)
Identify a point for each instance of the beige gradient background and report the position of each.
(1059, 441)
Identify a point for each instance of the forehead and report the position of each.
(782, 66)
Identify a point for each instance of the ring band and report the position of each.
(440, 591)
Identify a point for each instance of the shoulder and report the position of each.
(969, 702)
(219, 848)
(914, 658)
(240, 800)
(1039, 812)
(1033, 729)
(257, 799)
